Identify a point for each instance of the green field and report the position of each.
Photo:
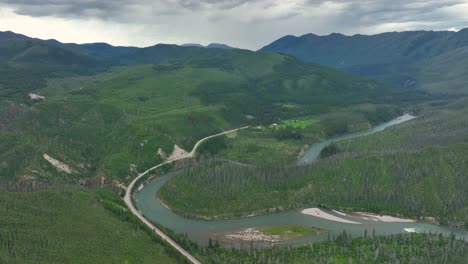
(71, 226)
(289, 232)
(259, 147)
(294, 123)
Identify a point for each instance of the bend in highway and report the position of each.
(159, 232)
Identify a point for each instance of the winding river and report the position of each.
(314, 151)
(200, 230)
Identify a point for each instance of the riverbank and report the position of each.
(226, 216)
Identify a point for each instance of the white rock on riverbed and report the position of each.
(324, 215)
(385, 218)
(252, 234)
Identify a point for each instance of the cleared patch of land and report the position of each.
(60, 166)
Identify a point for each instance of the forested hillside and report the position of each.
(431, 60)
(73, 226)
(25, 64)
(110, 125)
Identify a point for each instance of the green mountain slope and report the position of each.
(446, 73)
(397, 57)
(25, 63)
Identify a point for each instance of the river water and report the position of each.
(200, 230)
(314, 151)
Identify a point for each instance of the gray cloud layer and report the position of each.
(253, 23)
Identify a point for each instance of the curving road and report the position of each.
(159, 232)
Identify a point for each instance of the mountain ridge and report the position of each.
(395, 57)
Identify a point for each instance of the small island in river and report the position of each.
(269, 234)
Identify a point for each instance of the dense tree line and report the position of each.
(401, 248)
(330, 150)
(75, 226)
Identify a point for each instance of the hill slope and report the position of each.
(25, 63)
(396, 57)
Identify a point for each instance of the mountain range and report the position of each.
(431, 60)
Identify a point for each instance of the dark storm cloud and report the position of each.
(362, 10)
(200, 4)
(396, 10)
(67, 8)
(112, 8)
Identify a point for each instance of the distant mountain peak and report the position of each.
(210, 46)
(11, 34)
(192, 45)
(336, 35)
(309, 35)
(219, 46)
(100, 44)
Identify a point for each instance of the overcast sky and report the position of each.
(240, 23)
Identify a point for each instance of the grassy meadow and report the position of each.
(289, 232)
